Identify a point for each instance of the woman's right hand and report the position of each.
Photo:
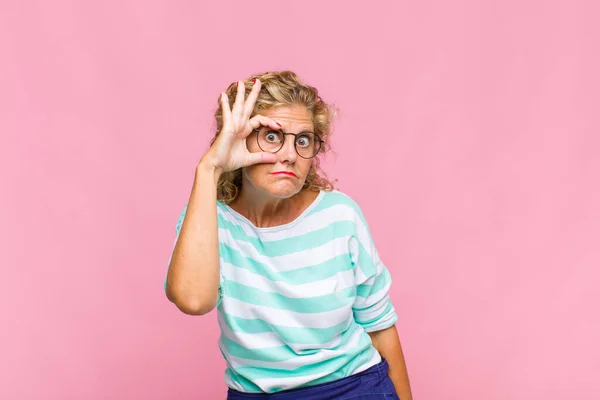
(229, 151)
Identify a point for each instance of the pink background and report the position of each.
(469, 135)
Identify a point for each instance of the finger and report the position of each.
(226, 111)
(238, 106)
(260, 158)
(260, 120)
(251, 100)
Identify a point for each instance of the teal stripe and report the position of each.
(277, 353)
(246, 325)
(377, 322)
(311, 273)
(351, 365)
(243, 382)
(318, 272)
(340, 368)
(248, 385)
(332, 199)
(287, 334)
(380, 281)
(271, 354)
(358, 313)
(365, 261)
(281, 247)
(316, 304)
(254, 373)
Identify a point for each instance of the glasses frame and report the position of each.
(295, 135)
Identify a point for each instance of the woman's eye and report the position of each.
(271, 137)
(303, 141)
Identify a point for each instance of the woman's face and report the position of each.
(286, 177)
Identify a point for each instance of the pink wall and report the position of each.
(469, 135)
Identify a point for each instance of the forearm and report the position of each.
(193, 276)
(388, 344)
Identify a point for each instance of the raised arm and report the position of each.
(193, 276)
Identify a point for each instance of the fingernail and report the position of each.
(255, 81)
(278, 123)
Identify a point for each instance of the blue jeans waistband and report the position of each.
(348, 386)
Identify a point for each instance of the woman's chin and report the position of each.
(283, 189)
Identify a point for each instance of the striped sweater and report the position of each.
(296, 301)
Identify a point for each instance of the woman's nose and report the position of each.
(288, 151)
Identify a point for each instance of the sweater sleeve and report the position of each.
(372, 307)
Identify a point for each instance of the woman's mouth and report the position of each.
(287, 173)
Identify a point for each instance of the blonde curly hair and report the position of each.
(282, 88)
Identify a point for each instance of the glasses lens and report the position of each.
(269, 139)
(307, 145)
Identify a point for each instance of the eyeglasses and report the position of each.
(307, 144)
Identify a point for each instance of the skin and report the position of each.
(269, 199)
(387, 343)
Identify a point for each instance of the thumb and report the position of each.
(261, 158)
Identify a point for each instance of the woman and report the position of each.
(289, 262)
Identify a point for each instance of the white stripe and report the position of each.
(364, 237)
(376, 359)
(250, 340)
(227, 216)
(313, 256)
(361, 302)
(296, 362)
(230, 383)
(288, 228)
(384, 322)
(274, 316)
(361, 277)
(293, 261)
(311, 223)
(314, 222)
(373, 312)
(340, 281)
(265, 340)
(267, 384)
